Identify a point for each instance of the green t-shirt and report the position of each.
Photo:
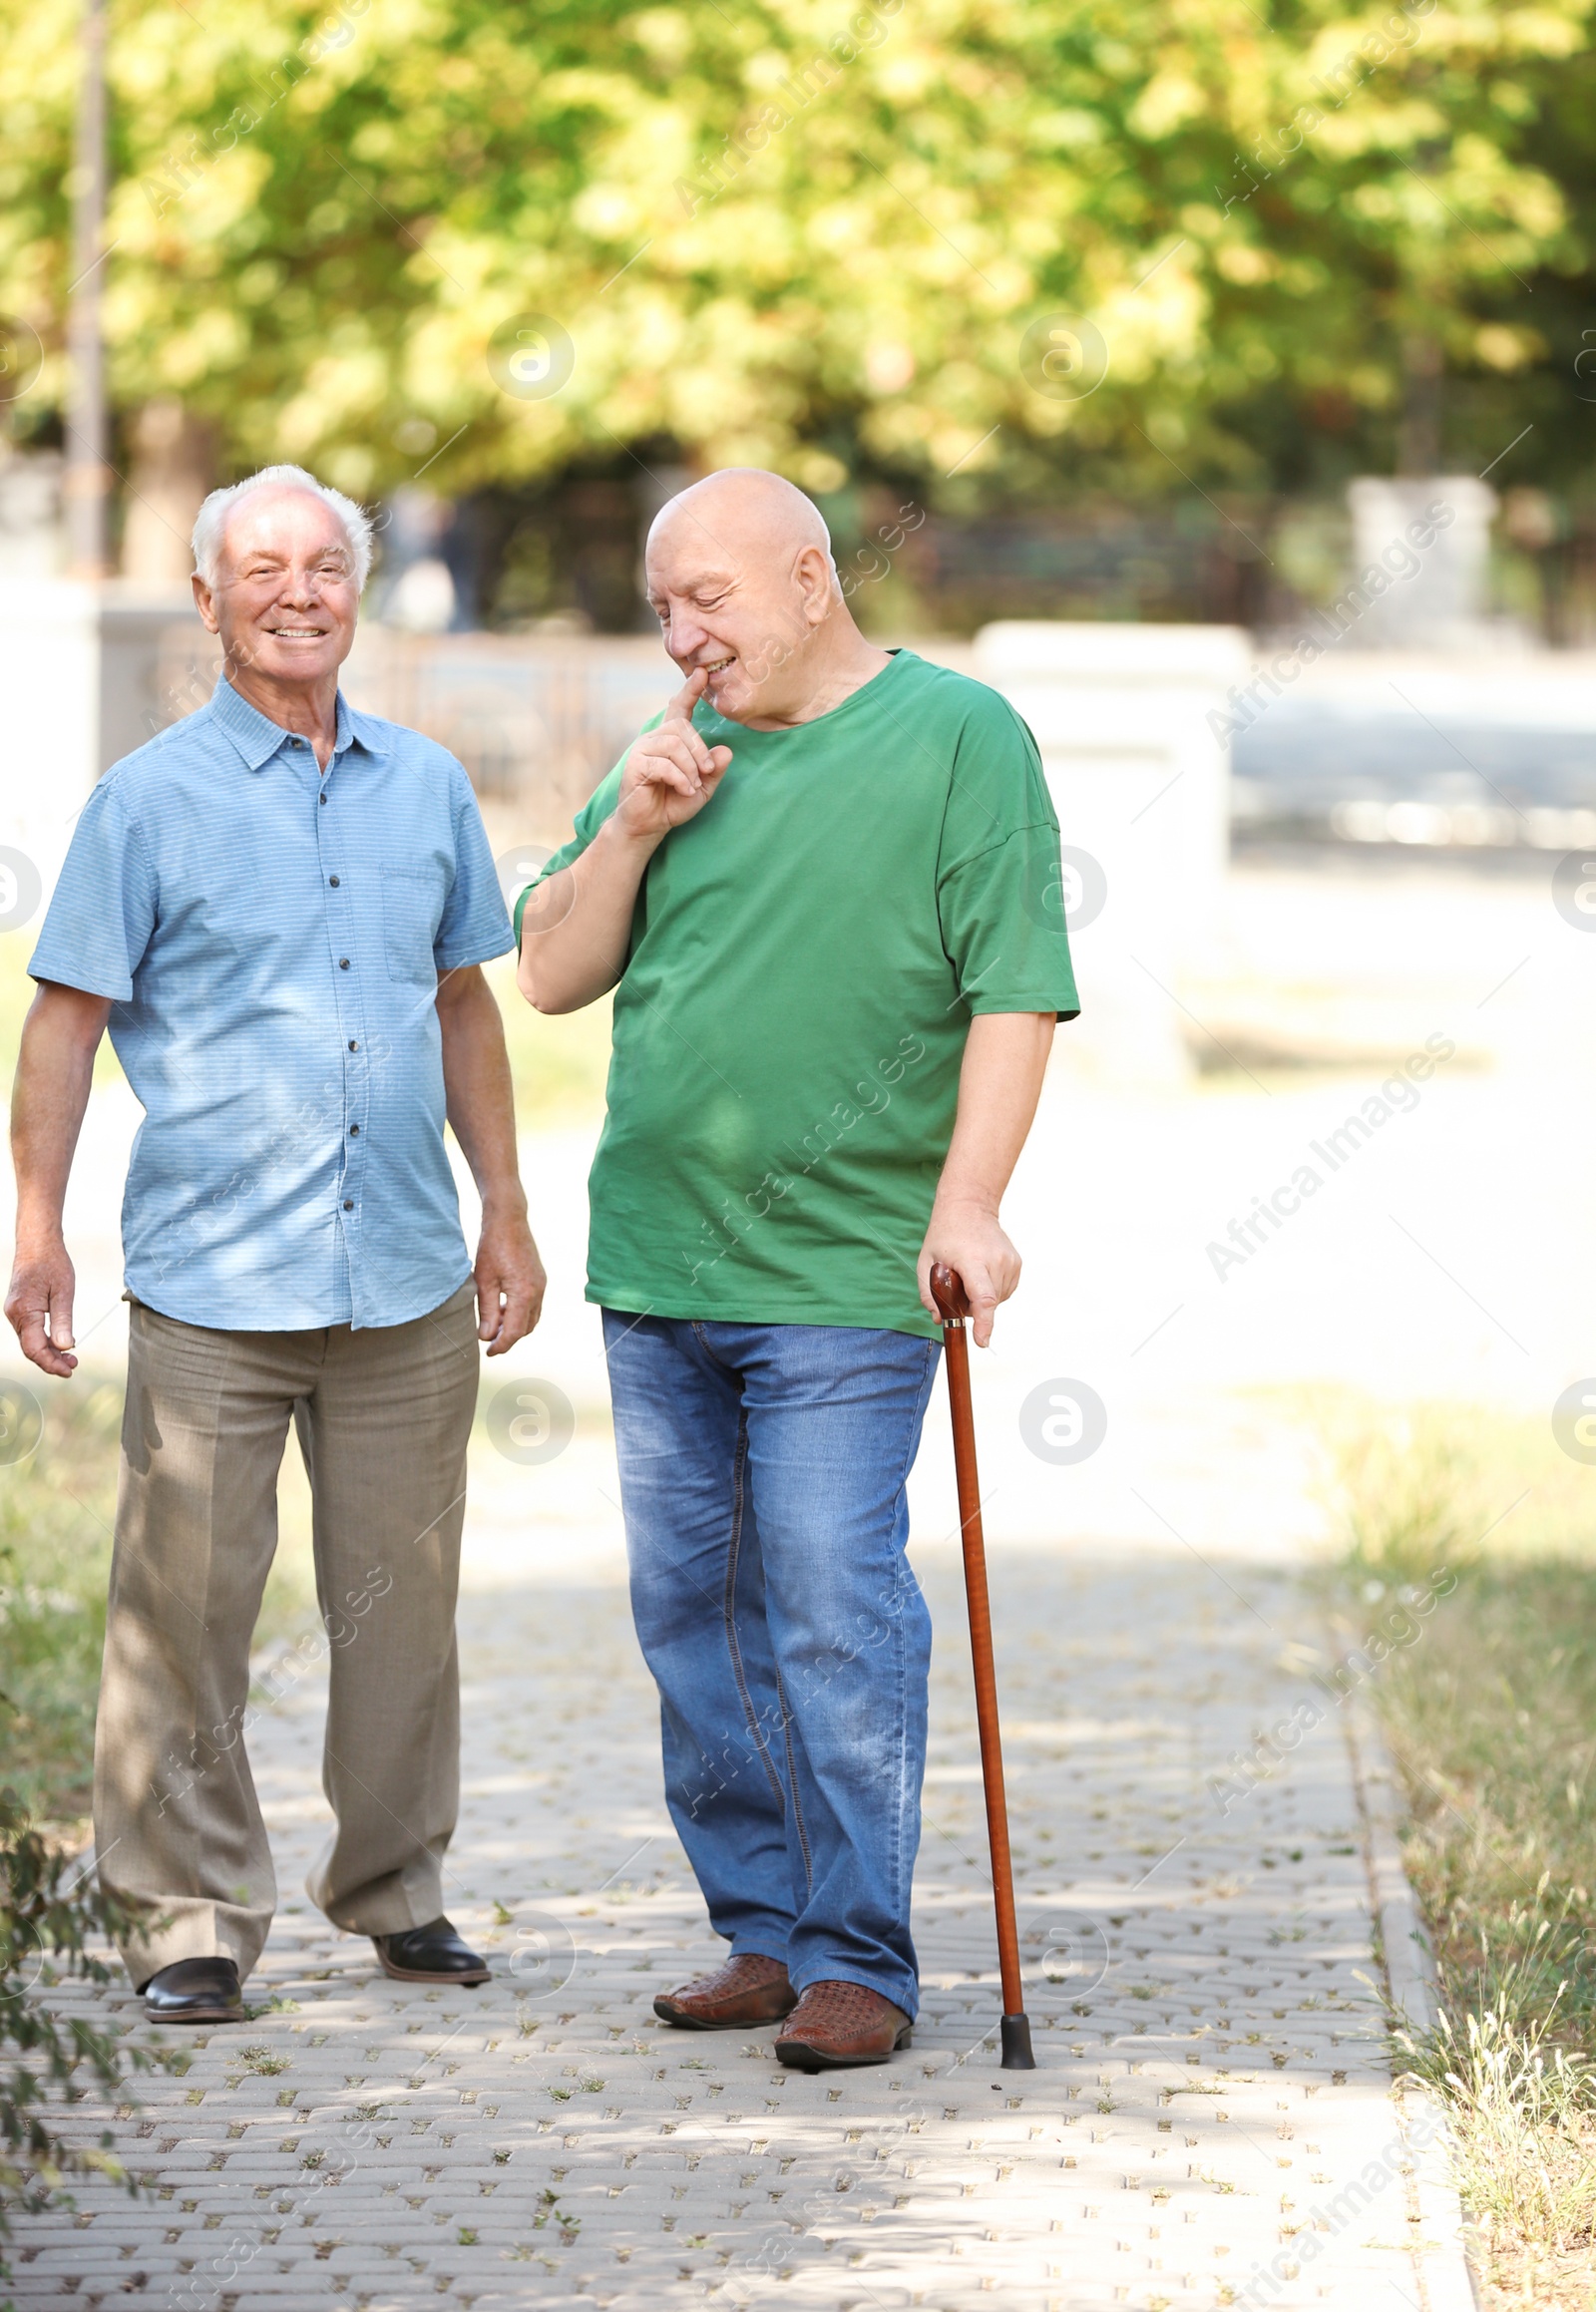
(805, 959)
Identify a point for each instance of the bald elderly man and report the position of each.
(825, 889)
(280, 908)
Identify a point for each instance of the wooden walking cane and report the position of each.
(953, 1305)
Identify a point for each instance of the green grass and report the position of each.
(558, 1065)
(57, 1511)
(1491, 1716)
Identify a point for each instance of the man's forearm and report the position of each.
(575, 928)
(1000, 1083)
(478, 1093)
(481, 1103)
(55, 1069)
(1005, 1058)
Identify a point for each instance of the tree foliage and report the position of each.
(816, 237)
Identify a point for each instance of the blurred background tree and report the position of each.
(890, 245)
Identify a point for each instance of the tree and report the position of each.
(988, 248)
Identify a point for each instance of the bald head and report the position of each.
(741, 576)
(763, 513)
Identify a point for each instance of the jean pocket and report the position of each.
(412, 903)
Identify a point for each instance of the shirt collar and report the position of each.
(258, 738)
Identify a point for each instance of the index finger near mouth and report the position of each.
(687, 697)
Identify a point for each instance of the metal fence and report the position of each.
(535, 719)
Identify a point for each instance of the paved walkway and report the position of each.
(1211, 2122)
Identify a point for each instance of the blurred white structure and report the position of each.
(414, 588)
(1140, 783)
(87, 675)
(1436, 595)
(422, 599)
(33, 539)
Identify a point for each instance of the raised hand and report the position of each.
(670, 774)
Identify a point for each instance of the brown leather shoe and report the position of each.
(747, 1990)
(836, 2025)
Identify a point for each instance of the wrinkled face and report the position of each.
(738, 610)
(284, 599)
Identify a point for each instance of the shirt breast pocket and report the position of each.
(412, 907)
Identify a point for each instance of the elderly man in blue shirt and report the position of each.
(280, 908)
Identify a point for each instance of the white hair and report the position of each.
(211, 527)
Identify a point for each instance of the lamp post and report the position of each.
(87, 474)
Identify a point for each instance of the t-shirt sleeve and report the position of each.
(104, 907)
(999, 887)
(473, 925)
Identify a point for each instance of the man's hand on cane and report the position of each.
(968, 1238)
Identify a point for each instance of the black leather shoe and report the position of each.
(431, 1954)
(194, 1991)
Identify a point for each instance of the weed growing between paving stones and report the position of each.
(1492, 1725)
(47, 1916)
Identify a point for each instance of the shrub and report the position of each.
(48, 2062)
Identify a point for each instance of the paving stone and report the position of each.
(1212, 2121)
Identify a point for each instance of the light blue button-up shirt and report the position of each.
(272, 939)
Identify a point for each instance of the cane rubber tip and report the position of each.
(948, 1291)
(1016, 2044)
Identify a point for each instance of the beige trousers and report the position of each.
(383, 1416)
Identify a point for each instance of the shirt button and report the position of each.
(353, 1129)
(333, 880)
(321, 798)
(353, 1046)
(348, 1204)
(343, 962)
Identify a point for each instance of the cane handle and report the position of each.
(948, 1291)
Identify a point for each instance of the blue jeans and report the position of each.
(762, 1474)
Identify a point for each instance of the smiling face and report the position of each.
(283, 598)
(741, 577)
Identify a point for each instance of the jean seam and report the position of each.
(709, 1348)
(902, 1896)
(792, 1778)
(728, 1610)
